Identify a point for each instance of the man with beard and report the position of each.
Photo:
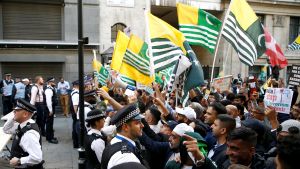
(166, 151)
(37, 99)
(51, 102)
(123, 147)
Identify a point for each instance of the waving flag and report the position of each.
(100, 72)
(136, 62)
(198, 26)
(166, 43)
(119, 51)
(274, 52)
(244, 32)
(295, 45)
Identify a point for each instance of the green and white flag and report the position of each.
(198, 26)
(127, 80)
(244, 31)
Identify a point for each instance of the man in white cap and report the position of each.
(185, 115)
(166, 151)
(27, 89)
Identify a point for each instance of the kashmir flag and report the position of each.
(166, 43)
(119, 51)
(136, 62)
(100, 72)
(243, 30)
(198, 26)
(274, 51)
(295, 45)
(127, 80)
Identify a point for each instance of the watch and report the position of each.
(199, 163)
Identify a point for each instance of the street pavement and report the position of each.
(56, 156)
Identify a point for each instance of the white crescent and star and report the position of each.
(208, 21)
(259, 39)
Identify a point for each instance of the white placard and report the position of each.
(279, 98)
(4, 138)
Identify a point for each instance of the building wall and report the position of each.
(132, 17)
(277, 20)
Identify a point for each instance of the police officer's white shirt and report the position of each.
(119, 157)
(75, 97)
(29, 142)
(97, 145)
(49, 94)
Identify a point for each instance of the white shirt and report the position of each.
(119, 157)
(97, 145)
(86, 111)
(29, 142)
(63, 87)
(36, 97)
(49, 94)
(75, 97)
(238, 122)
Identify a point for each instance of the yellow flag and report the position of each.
(119, 51)
(136, 62)
(166, 43)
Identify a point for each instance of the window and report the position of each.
(114, 30)
(255, 71)
(30, 21)
(294, 28)
(207, 72)
(262, 18)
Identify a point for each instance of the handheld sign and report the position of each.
(279, 98)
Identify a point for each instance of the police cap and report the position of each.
(23, 104)
(125, 114)
(94, 115)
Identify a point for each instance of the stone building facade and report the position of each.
(39, 37)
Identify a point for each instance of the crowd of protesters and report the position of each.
(230, 129)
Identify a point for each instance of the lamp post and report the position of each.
(81, 42)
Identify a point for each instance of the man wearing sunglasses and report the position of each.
(26, 150)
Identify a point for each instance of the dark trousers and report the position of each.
(74, 133)
(49, 124)
(41, 117)
(7, 103)
(77, 132)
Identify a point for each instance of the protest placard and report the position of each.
(222, 83)
(279, 98)
(294, 79)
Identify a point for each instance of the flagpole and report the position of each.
(148, 40)
(218, 42)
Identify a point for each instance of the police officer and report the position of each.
(51, 102)
(94, 140)
(123, 147)
(26, 150)
(18, 90)
(74, 103)
(7, 86)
